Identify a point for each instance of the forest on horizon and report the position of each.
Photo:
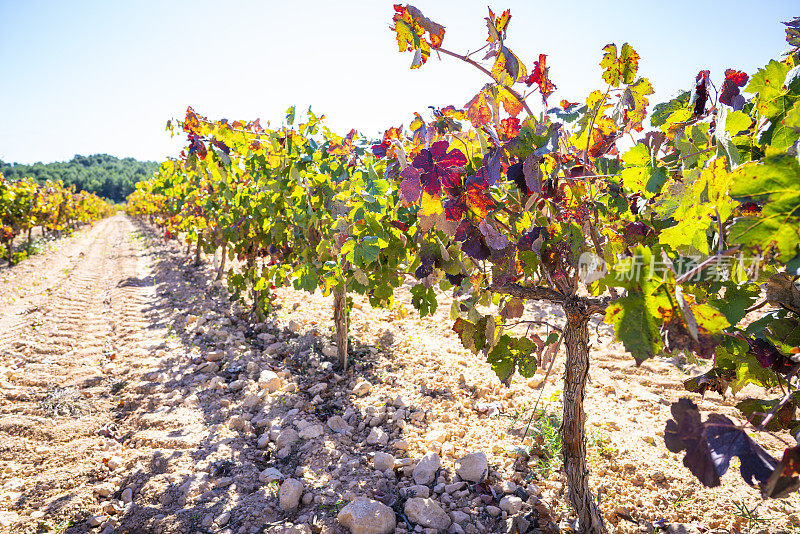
(101, 174)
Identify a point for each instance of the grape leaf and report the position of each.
(775, 180)
(512, 353)
(639, 174)
(661, 112)
(715, 379)
(410, 26)
(734, 79)
(472, 335)
(786, 477)
(755, 410)
(540, 76)
(507, 68)
(635, 325)
(424, 300)
(439, 167)
(712, 444)
(513, 309)
(619, 68)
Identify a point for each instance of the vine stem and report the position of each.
(591, 124)
(467, 59)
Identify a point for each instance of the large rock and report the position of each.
(365, 516)
(511, 504)
(473, 467)
(427, 513)
(286, 438)
(289, 494)
(425, 471)
(339, 425)
(362, 388)
(311, 432)
(377, 437)
(270, 381)
(383, 461)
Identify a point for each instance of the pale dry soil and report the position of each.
(130, 399)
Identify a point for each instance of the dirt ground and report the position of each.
(134, 397)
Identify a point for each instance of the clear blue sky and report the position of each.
(86, 77)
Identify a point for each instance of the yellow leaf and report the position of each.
(431, 205)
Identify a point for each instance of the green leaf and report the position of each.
(510, 353)
(775, 179)
(737, 121)
(622, 68)
(472, 335)
(307, 278)
(661, 112)
(768, 84)
(736, 300)
(733, 354)
(636, 326)
(424, 299)
(755, 410)
(709, 318)
(367, 251)
(639, 175)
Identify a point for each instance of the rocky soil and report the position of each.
(135, 397)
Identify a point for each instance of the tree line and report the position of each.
(101, 174)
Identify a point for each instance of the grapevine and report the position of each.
(677, 237)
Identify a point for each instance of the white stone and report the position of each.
(377, 437)
(417, 491)
(96, 520)
(105, 489)
(425, 471)
(473, 467)
(9, 518)
(317, 389)
(339, 425)
(361, 388)
(427, 513)
(274, 348)
(459, 517)
(223, 518)
(511, 504)
(289, 494)
(251, 401)
(330, 351)
(215, 355)
(366, 516)
(270, 381)
(286, 438)
(383, 461)
(311, 432)
(114, 462)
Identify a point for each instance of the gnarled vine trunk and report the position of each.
(222, 260)
(576, 338)
(197, 252)
(340, 320)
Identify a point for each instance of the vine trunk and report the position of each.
(340, 320)
(576, 337)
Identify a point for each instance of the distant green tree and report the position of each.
(101, 174)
